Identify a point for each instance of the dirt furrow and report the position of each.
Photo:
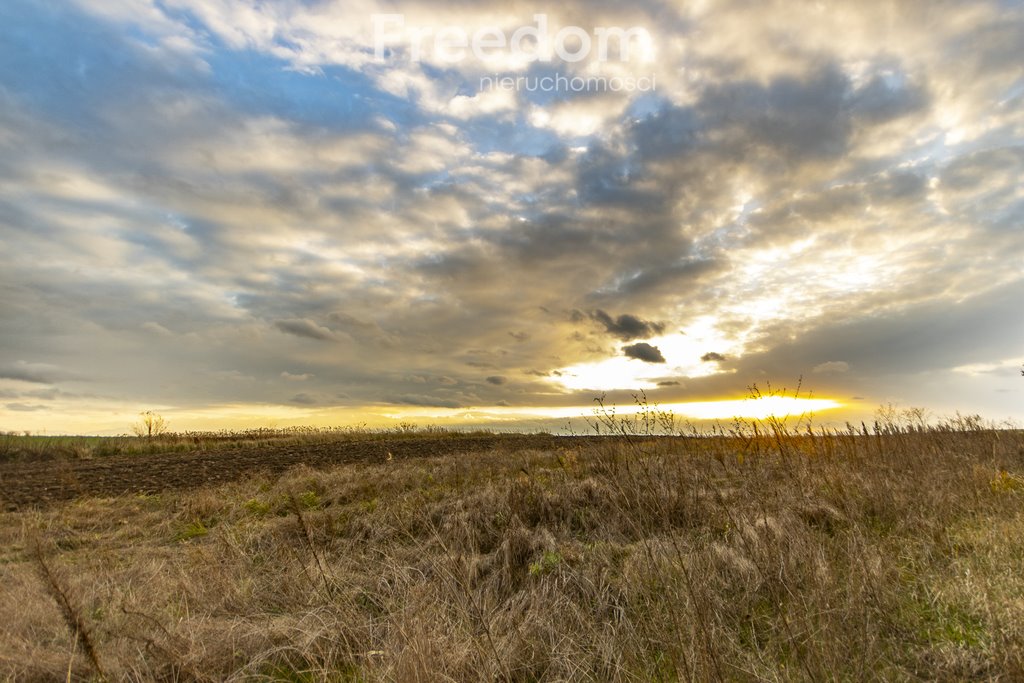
(39, 484)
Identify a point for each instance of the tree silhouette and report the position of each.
(151, 424)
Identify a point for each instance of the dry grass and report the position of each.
(767, 556)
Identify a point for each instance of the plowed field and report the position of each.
(38, 484)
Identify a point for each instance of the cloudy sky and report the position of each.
(244, 212)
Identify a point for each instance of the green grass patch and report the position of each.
(194, 529)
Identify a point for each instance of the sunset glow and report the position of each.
(751, 408)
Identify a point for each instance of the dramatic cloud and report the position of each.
(643, 351)
(627, 327)
(207, 206)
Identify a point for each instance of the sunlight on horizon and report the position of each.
(683, 351)
(749, 408)
(117, 419)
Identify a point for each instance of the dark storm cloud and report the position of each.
(496, 380)
(712, 357)
(626, 326)
(643, 351)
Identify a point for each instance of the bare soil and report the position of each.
(39, 484)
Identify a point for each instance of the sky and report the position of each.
(277, 212)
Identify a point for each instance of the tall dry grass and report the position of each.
(763, 551)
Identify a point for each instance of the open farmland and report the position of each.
(767, 556)
(43, 478)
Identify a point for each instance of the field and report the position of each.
(765, 551)
(40, 473)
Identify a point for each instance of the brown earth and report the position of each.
(39, 484)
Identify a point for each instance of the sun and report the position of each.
(684, 351)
